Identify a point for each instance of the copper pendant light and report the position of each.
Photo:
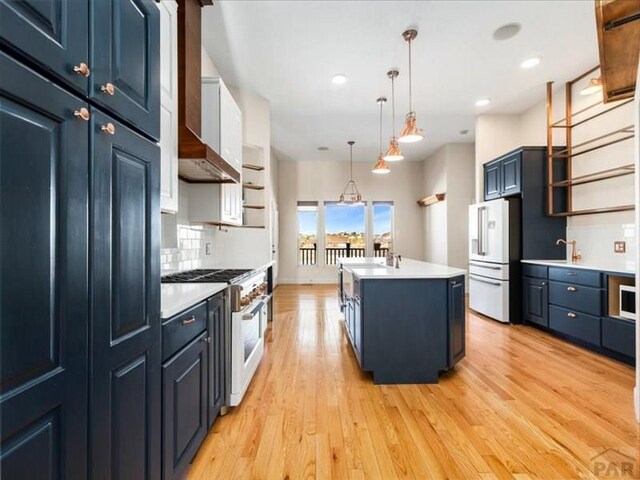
(381, 166)
(411, 133)
(350, 195)
(393, 153)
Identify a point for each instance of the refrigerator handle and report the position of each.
(481, 231)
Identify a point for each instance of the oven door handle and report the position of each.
(249, 316)
(267, 298)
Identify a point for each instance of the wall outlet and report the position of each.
(619, 247)
(207, 248)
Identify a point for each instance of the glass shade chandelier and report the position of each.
(411, 133)
(393, 153)
(350, 195)
(381, 166)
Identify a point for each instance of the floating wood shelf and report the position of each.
(250, 166)
(253, 186)
(255, 207)
(431, 199)
(618, 26)
(226, 225)
(591, 211)
(595, 177)
(564, 153)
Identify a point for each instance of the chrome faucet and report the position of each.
(575, 255)
(391, 257)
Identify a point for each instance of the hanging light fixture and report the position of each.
(381, 166)
(594, 86)
(411, 133)
(393, 153)
(350, 195)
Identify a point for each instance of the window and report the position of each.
(382, 228)
(307, 233)
(345, 234)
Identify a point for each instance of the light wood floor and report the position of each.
(522, 404)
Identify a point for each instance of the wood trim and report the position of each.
(431, 199)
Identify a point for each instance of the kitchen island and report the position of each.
(406, 324)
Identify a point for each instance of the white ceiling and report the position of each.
(287, 52)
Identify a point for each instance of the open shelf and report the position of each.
(226, 225)
(592, 211)
(251, 166)
(253, 186)
(431, 199)
(621, 171)
(254, 207)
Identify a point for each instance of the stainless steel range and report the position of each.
(248, 305)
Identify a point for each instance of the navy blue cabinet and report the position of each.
(52, 35)
(184, 406)
(457, 318)
(44, 279)
(535, 292)
(218, 335)
(502, 177)
(125, 56)
(125, 298)
(619, 335)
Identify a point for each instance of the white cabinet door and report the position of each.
(231, 202)
(230, 129)
(169, 105)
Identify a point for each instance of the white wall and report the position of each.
(322, 181)
(497, 134)
(449, 170)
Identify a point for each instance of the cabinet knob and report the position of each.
(206, 339)
(108, 88)
(571, 315)
(109, 128)
(543, 283)
(82, 113)
(82, 69)
(572, 289)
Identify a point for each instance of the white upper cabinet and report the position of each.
(222, 131)
(169, 105)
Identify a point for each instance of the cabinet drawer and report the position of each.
(535, 271)
(588, 278)
(181, 329)
(619, 336)
(576, 297)
(579, 325)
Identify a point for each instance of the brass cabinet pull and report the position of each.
(571, 315)
(82, 69)
(108, 88)
(109, 128)
(189, 321)
(82, 113)
(572, 289)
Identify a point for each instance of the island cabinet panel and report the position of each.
(619, 335)
(404, 336)
(44, 256)
(125, 299)
(51, 35)
(457, 317)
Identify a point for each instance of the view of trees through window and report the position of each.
(307, 233)
(344, 231)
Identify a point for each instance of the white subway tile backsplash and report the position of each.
(190, 251)
(595, 242)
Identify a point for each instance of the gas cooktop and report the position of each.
(206, 276)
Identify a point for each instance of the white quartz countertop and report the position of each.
(627, 268)
(409, 269)
(176, 297)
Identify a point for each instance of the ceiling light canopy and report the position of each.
(483, 102)
(393, 154)
(530, 62)
(505, 32)
(339, 79)
(350, 195)
(411, 133)
(381, 166)
(594, 86)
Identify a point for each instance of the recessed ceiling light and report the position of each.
(482, 102)
(530, 62)
(339, 79)
(507, 31)
(323, 149)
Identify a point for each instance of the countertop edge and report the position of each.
(582, 266)
(187, 300)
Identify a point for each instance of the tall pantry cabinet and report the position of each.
(79, 239)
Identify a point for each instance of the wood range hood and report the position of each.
(198, 162)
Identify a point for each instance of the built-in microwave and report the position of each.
(628, 302)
